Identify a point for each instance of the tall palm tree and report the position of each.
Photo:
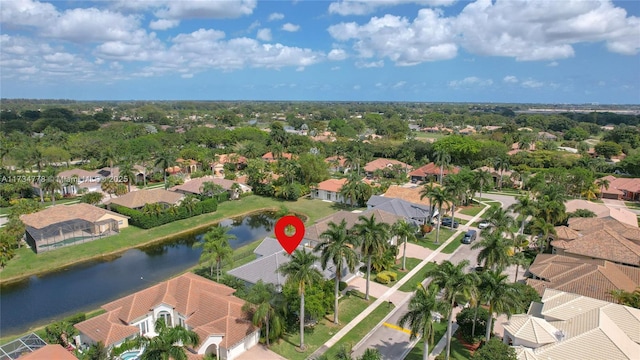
(500, 295)
(456, 189)
(437, 197)
(109, 156)
(419, 316)
(216, 248)
(165, 160)
(406, 231)
(211, 189)
(501, 164)
(525, 207)
(52, 185)
(499, 218)
(373, 238)
(602, 184)
(495, 251)
(336, 247)
(262, 306)
(442, 159)
(455, 285)
(480, 179)
(543, 228)
(126, 172)
(168, 344)
(349, 190)
(300, 272)
(189, 202)
(519, 259)
(37, 158)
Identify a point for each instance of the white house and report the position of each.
(189, 300)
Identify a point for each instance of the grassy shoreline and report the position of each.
(27, 264)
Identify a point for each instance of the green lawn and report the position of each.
(350, 307)
(411, 284)
(458, 351)
(359, 331)
(472, 210)
(449, 249)
(429, 240)
(632, 205)
(411, 263)
(27, 263)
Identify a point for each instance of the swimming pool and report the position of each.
(130, 355)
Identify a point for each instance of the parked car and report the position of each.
(469, 237)
(447, 222)
(484, 224)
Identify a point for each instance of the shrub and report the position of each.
(382, 278)
(495, 349)
(147, 221)
(464, 319)
(392, 275)
(74, 319)
(342, 285)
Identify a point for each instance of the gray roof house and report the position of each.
(270, 256)
(415, 213)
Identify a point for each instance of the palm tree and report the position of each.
(405, 231)
(211, 189)
(261, 304)
(501, 296)
(442, 159)
(495, 251)
(423, 304)
(602, 184)
(336, 248)
(109, 156)
(590, 191)
(481, 178)
(373, 240)
(189, 202)
(455, 189)
(126, 172)
(499, 218)
(525, 207)
(168, 344)
(455, 284)
(301, 272)
(437, 197)
(349, 190)
(519, 259)
(543, 228)
(165, 160)
(37, 157)
(501, 164)
(52, 185)
(216, 248)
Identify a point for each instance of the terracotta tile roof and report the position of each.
(433, 169)
(227, 158)
(140, 198)
(333, 185)
(619, 185)
(210, 308)
(314, 231)
(80, 173)
(410, 194)
(605, 244)
(603, 211)
(269, 156)
(61, 213)
(588, 277)
(379, 164)
(193, 186)
(49, 352)
(341, 160)
(565, 233)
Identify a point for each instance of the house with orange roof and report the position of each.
(270, 157)
(622, 188)
(138, 199)
(217, 168)
(329, 190)
(337, 164)
(208, 308)
(65, 225)
(385, 164)
(430, 171)
(50, 352)
(195, 186)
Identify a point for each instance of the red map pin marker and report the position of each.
(289, 243)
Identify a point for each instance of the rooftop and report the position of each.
(61, 213)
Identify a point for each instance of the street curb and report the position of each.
(391, 313)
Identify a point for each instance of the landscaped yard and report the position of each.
(350, 307)
(458, 351)
(419, 276)
(411, 263)
(359, 331)
(27, 263)
(429, 240)
(472, 210)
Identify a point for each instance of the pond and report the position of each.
(87, 286)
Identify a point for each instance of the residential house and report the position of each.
(431, 171)
(599, 238)
(495, 174)
(602, 211)
(543, 135)
(571, 326)
(622, 188)
(75, 181)
(49, 352)
(194, 186)
(138, 199)
(217, 168)
(410, 194)
(329, 190)
(65, 225)
(269, 257)
(385, 164)
(198, 304)
(413, 213)
(188, 166)
(337, 164)
(594, 278)
(270, 157)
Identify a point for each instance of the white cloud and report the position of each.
(186, 76)
(471, 81)
(264, 34)
(510, 79)
(373, 64)
(553, 64)
(362, 7)
(335, 68)
(337, 55)
(163, 24)
(356, 87)
(276, 16)
(532, 84)
(399, 84)
(428, 38)
(290, 27)
(206, 9)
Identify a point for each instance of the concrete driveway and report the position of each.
(260, 352)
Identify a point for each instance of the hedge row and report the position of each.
(386, 277)
(147, 221)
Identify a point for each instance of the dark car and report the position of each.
(469, 237)
(447, 222)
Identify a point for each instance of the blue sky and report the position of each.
(535, 51)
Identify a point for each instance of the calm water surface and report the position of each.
(40, 300)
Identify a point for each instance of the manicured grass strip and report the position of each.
(458, 351)
(429, 240)
(27, 263)
(416, 279)
(360, 330)
(449, 249)
(350, 307)
(472, 210)
(411, 263)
